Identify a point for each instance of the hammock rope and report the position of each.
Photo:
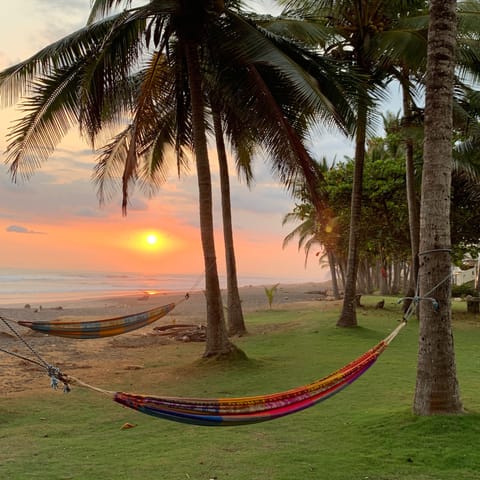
(53, 372)
(40, 361)
(416, 299)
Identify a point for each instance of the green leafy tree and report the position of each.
(383, 231)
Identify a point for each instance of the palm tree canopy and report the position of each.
(132, 61)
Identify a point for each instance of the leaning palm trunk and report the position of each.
(235, 320)
(437, 390)
(217, 343)
(348, 316)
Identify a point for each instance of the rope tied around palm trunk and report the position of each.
(416, 299)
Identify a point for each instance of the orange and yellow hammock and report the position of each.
(100, 328)
(247, 410)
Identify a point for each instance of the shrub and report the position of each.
(464, 290)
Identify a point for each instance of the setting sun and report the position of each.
(153, 241)
(152, 238)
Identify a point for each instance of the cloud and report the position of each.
(89, 213)
(21, 229)
(138, 205)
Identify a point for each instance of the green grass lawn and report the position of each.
(367, 431)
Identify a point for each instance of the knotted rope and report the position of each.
(416, 299)
(54, 373)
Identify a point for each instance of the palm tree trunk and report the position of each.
(406, 277)
(333, 273)
(437, 390)
(383, 279)
(235, 320)
(348, 316)
(341, 267)
(412, 200)
(361, 278)
(396, 278)
(217, 343)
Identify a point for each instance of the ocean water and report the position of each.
(19, 287)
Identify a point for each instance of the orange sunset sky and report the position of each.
(54, 221)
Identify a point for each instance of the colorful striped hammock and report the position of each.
(246, 410)
(100, 328)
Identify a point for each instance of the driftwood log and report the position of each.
(183, 332)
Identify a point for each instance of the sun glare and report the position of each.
(151, 238)
(152, 241)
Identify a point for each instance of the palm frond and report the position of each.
(116, 56)
(309, 30)
(264, 48)
(110, 164)
(468, 14)
(403, 47)
(16, 81)
(49, 114)
(466, 159)
(101, 8)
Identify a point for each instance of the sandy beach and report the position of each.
(252, 297)
(126, 351)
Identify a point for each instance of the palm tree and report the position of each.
(269, 98)
(313, 230)
(166, 129)
(359, 33)
(108, 61)
(437, 388)
(410, 129)
(87, 78)
(185, 28)
(408, 68)
(250, 87)
(235, 319)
